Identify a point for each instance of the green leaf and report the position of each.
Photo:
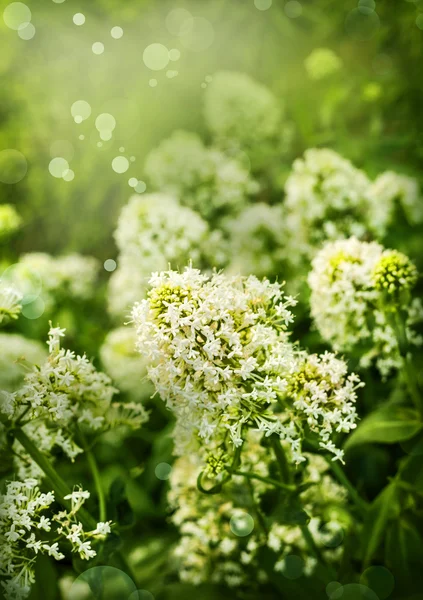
(385, 507)
(404, 549)
(388, 425)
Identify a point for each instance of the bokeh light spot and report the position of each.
(262, 4)
(241, 524)
(419, 21)
(34, 310)
(293, 566)
(353, 591)
(120, 164)
(13, 166)
(140, 187)
(116, 32)
(110, 265)
(332, 587)
(58, 167)
(162, 471)
(380, 580)
(141, 595)
(293, 9)
(156, 57)
(133, 181)
(174, 54)
(98, 48)
(79, 19)
(27, 281)
(69, 175)
(80, 110)
(153, 82)
(15, 14)
(197, 34)
(176, 19)
(362, 23)
(26, 31)
(113, 583)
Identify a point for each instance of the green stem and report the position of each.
(97, 479)
(409, 372)
(60, 487)
(279, 484)
(281, 459)
(337, 470)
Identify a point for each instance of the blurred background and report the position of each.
(65, 62)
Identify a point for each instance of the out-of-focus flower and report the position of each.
(240, 112)
(10, 220)
(205, 179)
(124, 364)
(322, 63)
(256, 241)
(154, 231)
(10, 303)
(16, 353)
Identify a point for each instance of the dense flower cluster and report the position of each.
(220, 357)
(124, 364)
(322, 63)
(154, 230)
(61, 395)
(240, 112)
(10, 303)
(29, 526)
(17, 353)
(205, 179)
(221, 536)
(10, 221)
(347, 285)
(256, 240)
(326, 198)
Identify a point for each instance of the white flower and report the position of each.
(216, 345)
(347, 306)
(10, 303)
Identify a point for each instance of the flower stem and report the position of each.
(281, 459)
(60, 487)
(97, 479)
(400, 328)
(343, 479)
(279, 484)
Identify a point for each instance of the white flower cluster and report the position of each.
(153, 230)
(28, 527)
(64, 393)
(71, 276)
(256, 240)
(124, 364)
(219, 355)
(324, 395)
(391, 191)
(10, 303)
(321, 63)
(10, 221)
(347, 306)
(16, 353)
(326, 198)
(240, 112)
(205, 179)
(214, 547)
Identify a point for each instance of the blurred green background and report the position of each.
(370, 111)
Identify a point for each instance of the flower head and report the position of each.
(394, 275)
(322, 63)
(10, 303)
